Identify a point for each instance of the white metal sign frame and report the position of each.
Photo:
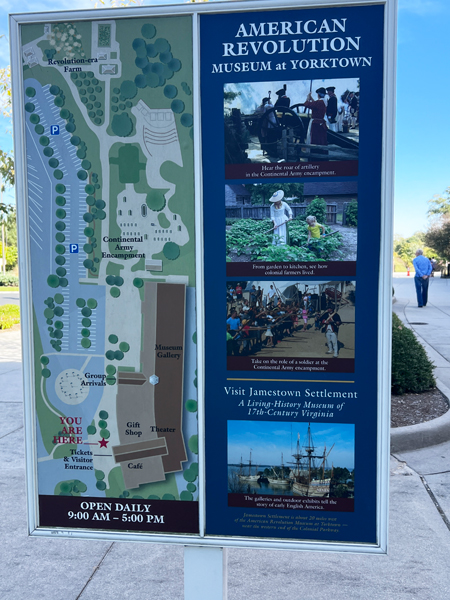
(384, 329)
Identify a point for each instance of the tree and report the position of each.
(439, 205)
(438, 237)
(5, 91)
(406, 247)
(341, 475)
(262, 193)
(6, 159)
(11, 228)
(228, 97)
(318, 208)
(6, 168)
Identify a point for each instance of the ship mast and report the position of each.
(298, 457)
(309, 449)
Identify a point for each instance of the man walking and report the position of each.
(422, 267)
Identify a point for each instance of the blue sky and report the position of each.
(268, 439)
(423, 126)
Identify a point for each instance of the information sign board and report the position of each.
(173, 164)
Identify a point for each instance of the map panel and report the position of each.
(109, 144)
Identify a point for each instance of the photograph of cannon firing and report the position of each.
(291, 121)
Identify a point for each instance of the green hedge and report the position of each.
(412, 371)
(352, 214)
(9, 280)
(317, 208)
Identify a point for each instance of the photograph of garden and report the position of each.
(291, 222)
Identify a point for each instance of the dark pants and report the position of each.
(421, 290)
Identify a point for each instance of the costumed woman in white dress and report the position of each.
(281, 214)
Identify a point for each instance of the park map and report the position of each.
(109, 145)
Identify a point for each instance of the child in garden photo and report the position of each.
(314, 233)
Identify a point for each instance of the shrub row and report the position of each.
(412, 371)
(9, 280)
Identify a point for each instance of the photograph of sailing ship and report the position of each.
(313, 460)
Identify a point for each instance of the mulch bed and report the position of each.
(411, 409)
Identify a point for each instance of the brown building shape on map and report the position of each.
(149, 417)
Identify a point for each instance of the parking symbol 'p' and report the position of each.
(73, 248)
(54, 129)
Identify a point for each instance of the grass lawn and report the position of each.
(9, 315)
(4, 288)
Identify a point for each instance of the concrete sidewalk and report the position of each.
(44, 568)
(431, 324)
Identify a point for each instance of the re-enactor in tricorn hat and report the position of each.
(283, 100)
(332, 108)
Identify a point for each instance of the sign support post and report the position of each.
(205, 573)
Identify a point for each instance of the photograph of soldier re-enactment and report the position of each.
(291, 121)
(279, 319)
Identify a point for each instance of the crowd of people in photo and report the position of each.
(264, 319)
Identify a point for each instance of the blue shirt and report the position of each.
(234, 323)
(422, 265)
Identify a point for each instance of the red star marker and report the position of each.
(103, 443)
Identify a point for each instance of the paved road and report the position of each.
(9, 298)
